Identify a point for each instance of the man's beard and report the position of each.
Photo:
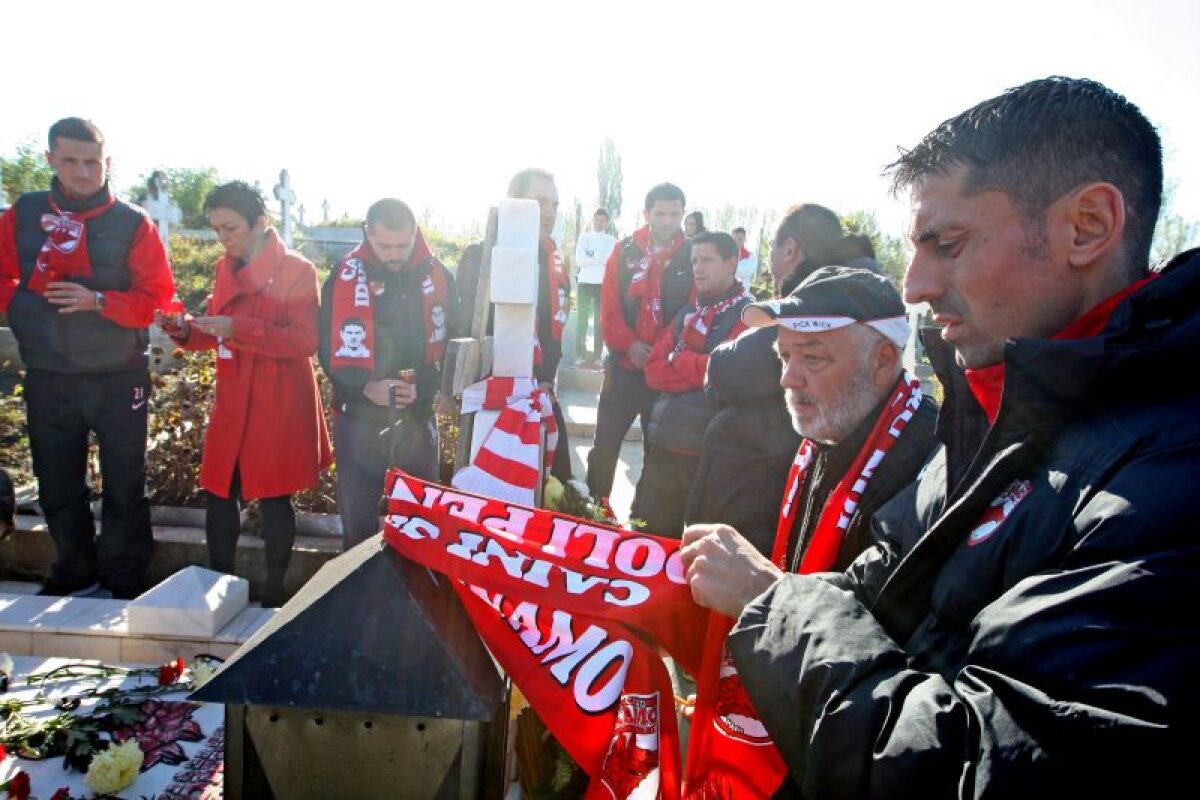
(839, 418)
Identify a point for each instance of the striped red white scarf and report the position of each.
(698, 322)
(727, 736)
(506, 466)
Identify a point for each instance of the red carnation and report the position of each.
(170, 672)
(63, 793)
(18, 786)
(3, 753)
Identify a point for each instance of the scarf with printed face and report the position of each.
(728, 741)
(353, 321)
(646, 283)
(697, 323)
(573, 610)
(560, 291)
(64, 254)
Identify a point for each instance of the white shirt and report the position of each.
(591, 254)
(747, 268)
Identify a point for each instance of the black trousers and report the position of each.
(660, 499)
(61, 410)
(223, 526)
(623, 397)
(364, 449)
(561, 466)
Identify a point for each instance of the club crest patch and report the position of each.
(998, 511)
(631, 767)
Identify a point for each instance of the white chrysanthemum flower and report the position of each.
(114, 768)
(201, 672)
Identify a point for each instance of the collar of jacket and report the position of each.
(78, 205)
(1048, 382)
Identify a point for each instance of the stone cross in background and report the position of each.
(325, 210)
(285, 196)
(159, 206)
(300, 214)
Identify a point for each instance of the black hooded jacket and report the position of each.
(1028, 626)
(749, 443)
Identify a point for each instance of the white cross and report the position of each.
(285, 196)
(160, 208)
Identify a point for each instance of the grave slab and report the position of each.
(194, 602)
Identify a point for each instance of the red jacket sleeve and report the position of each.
(10, 268)
(196, 338)
(295, 339)
(618, 336)
(679, 373)
(153, 285)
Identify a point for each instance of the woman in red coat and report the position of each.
(266, 438)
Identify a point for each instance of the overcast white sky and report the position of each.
(751, 103)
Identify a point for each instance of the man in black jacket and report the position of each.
(384, 325)
(675, 370)
(750, 443)
(840, 337)
(1027, 626)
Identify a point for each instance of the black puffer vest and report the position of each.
(84, 342)
(679, 419)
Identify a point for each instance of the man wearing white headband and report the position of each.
(866, 427)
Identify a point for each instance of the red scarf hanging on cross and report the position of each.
(728, 741)
(352, 328)
(572, 610)
(64, 253)
(506, 465)
(560, 292)
(698, 323)
(646, 282)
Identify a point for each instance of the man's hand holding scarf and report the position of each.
(724, 571)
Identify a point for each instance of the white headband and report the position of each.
(893, 328)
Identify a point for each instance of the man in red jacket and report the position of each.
(81, 275)
(647, 280)
(675, 367)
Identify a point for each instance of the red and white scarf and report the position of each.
(822, 551)
(573, 610)
(726, 730)
(353, 298)
(560, 292)
(507, 466)
(646, 282)
(698, 322)
(64, 253)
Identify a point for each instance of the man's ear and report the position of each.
(885, 363)
(1093, 224)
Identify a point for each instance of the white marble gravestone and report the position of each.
(193, 602)
(514, 291)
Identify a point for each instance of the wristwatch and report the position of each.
(99, 300)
